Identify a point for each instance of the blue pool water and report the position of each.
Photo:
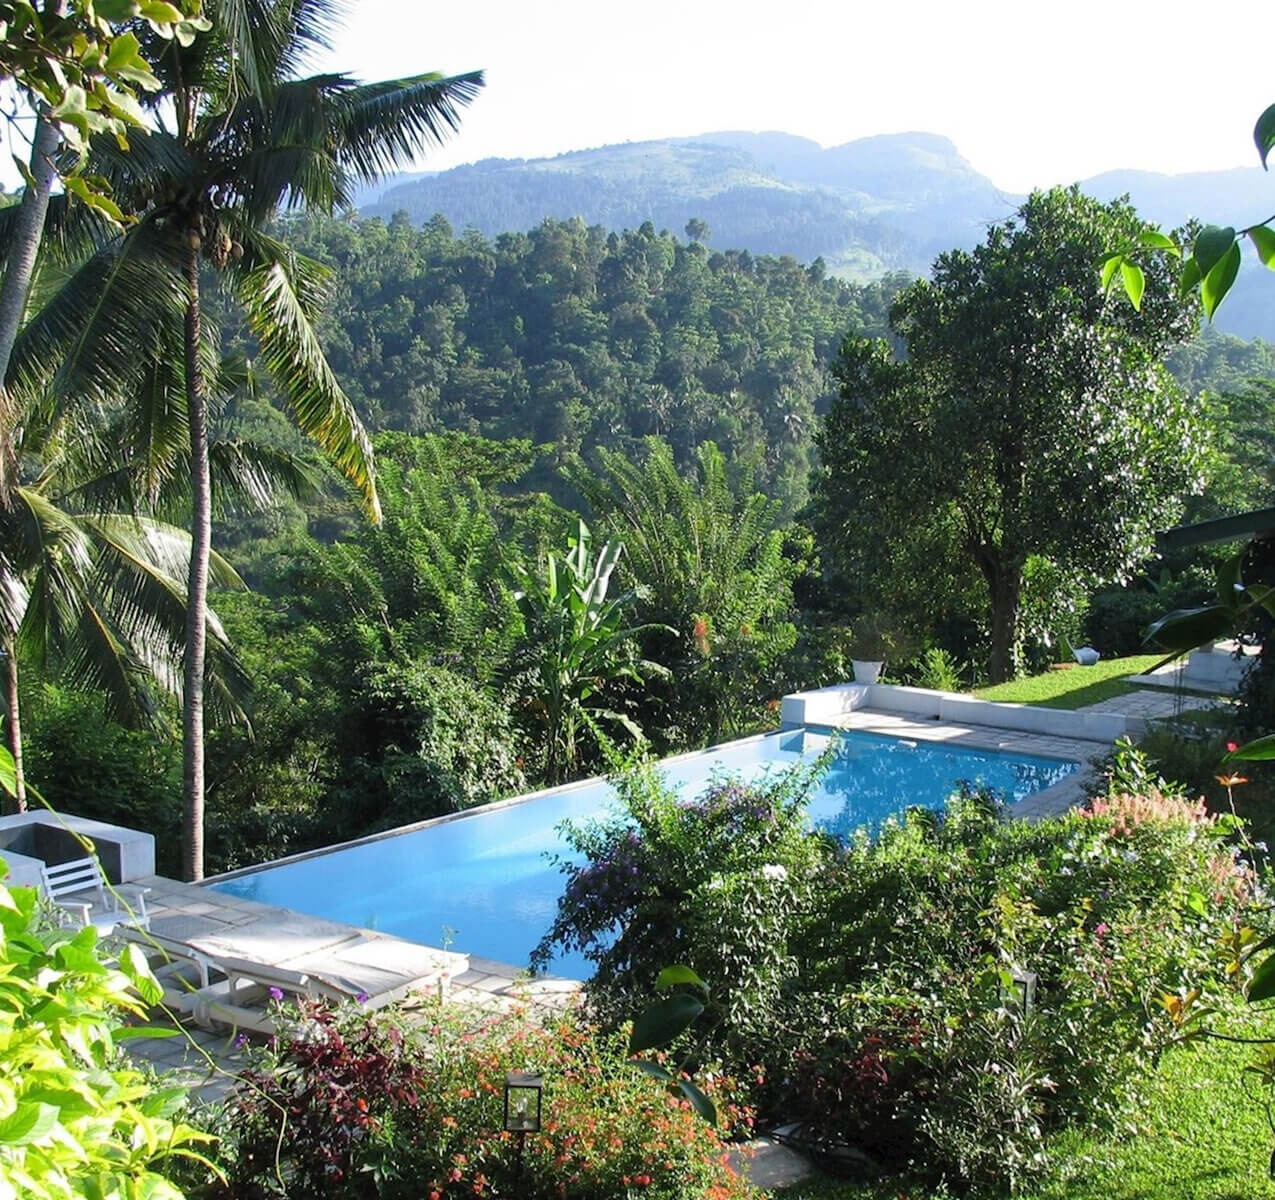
(484, 881)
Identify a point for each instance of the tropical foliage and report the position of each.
(77, 1122)
(364, 1105)
(924, 1000)
(248, 136)
(578, 642)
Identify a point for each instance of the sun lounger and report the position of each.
(181, 970)
(372, 972)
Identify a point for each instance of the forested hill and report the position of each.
(578, 337)
(870, 206)
(879, 204)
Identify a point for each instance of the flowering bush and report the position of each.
(910, 1037)
(719, 883)
(370, 1105)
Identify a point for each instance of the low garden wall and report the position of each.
(828, 706)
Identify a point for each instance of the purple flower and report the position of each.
(275, 993)
(241, 1041)
(361, 997)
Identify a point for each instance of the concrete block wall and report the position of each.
(827, 706)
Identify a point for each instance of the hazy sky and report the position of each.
(1031, 93)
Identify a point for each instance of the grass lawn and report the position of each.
(1204, 1137)
(1075, 687)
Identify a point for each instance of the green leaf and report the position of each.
(1263, 239)
(1230, 582)
(124, 49)
(1153, 239)
(132, 1032)
(1259, 750)
(116, 11)
(699, 1102)
(27, 1123)
(1190, 278)
(1218, 281)
(1186, 628)
(160, 12)
(1213, 242)
(1111, 264)
(671, 976)
(8, 772)
(1135, 282)
(663, 1021)
(1262, 985)
(1264, 133)
(654, 1070)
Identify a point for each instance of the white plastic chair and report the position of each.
(80, 888)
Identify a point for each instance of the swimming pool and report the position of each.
(483, 881)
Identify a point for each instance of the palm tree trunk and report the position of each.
(17, 278)
(197, 587)
(15, 725)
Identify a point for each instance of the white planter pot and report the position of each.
(866, 672)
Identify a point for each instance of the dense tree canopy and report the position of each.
(578, 337)
(1030, 417)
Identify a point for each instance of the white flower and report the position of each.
(775, 871)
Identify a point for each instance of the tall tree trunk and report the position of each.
(17, 279)
(14, 724)
(1005, 585)
(197, 587)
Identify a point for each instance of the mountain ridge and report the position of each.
(867, 207)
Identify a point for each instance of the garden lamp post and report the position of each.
(1022, 990)
(523, 1094)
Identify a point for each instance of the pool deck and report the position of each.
(206, 1060)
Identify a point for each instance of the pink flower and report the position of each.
(1232, 747)
(1103, 927)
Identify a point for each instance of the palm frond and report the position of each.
(380, 127)
(246, 474)
(71, 230)
(92, 341)
(291, 352)
(52, 556)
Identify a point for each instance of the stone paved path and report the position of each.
(1152, 705)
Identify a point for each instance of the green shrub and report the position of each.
(720, 883)
(914, 963)
(75, 1121)
(876, 989)
(365, 1105)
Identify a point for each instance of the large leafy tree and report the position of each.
(1029, 417)
(237, 136)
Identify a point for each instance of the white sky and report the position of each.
(1032, 93)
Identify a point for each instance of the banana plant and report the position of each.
(578, 644)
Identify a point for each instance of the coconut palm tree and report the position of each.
(97, 585)
(237, 137)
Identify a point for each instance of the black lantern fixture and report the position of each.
(1022, 990)
(523, 1092)
(522, 1102)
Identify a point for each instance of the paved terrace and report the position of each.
(206, 1060)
